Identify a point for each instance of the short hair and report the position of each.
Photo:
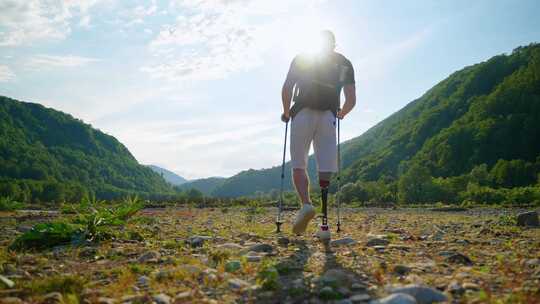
(328, 36)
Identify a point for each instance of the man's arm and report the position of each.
(286, 96)
(350, 100)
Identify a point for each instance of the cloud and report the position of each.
(6, 74)
(51, 61)
(180, 143)
(29, 21)
(213, 39)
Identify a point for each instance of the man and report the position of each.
(314, 82)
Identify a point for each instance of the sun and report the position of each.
(304, 35)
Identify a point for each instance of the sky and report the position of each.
(194, 86)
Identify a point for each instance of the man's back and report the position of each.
(319, 80)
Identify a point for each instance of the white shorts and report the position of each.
(315, 126)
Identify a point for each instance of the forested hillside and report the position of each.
(477, 128)
(47, 155)
(205, 185)
(171, 177)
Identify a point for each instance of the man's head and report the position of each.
(327, 41)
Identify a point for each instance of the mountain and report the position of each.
(205, 185)
(47, 155)
(171, 177)
(481, 115)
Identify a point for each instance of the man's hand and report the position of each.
(285, 117)
(340, 115)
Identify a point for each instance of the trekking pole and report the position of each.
(338, 194)
(280, 205)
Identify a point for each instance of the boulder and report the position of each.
(528, 219)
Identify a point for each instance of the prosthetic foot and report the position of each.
(324, 234)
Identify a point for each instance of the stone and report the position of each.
(343, 242)
(149, 257)
(261, 248)
(88, 252)
(10, 300)
(397, 298)
(471, 286)
(422, 294)
(253, 258)
(359, 298)
(377, 242)
(459, 258)
(191, 269)
(327, 292)
(232, 266)
(183, 296)
(161, 298)
(198, 240)
(455, 288)
(532, 263)
(358, 286)
(283, 241)
(237, 283)
(230, 246)
(143, 281)
(7, 282)
(343, 301)
(402, 269)
(528, 219)
(335, 276)
(53, 298)
(105, 300)
(133, 299)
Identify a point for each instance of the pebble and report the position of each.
(183, 296)
(471, 286)
(283, 241)
(161, 298)
(11, 300)
(191, 269)
(253, 258)
(104, 300)
(377, 242)
(237, 283)
(143, 281)
(358, 286)
(326, 292)
(198, 240)
(455, 288)
(459, 258)
(262, 248)
(149, 257)
(335, 275)
(397, 298)
(528, 219)
(232, 266)
(230, 246)
(343, 242)
(53, 298)
(88, 252)
(361, 297)
(402, 269)
(9, 283)
(422, 294)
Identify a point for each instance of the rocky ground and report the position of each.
(234, 256)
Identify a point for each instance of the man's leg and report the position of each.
(301, 183)
(302, 129)
(324, 144)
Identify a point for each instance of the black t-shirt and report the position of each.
(318, 81)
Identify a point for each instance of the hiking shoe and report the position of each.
(302, 219)
(324, 234)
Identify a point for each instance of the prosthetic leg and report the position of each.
(324, 233)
